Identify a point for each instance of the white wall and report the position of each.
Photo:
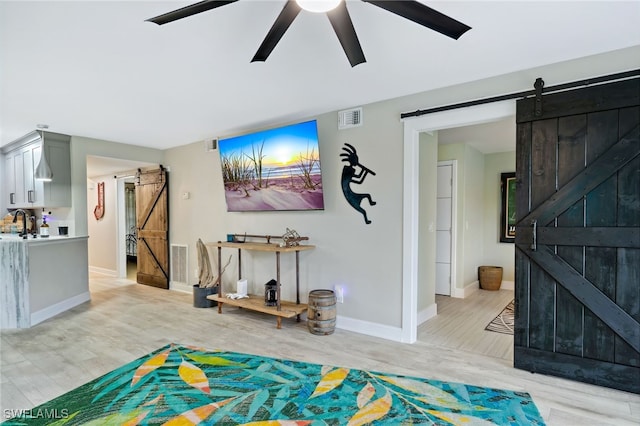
(495, 252)
(471, 211)
(473, 214)
(427, 236)
(457, 152)
(479, 200)
(103, 236)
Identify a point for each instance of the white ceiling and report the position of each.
(96, 69)
(98, 166)
(488, 138)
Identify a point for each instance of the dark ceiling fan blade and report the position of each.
(342, 25)
(186, 11)
(423, 15)
(280, 26)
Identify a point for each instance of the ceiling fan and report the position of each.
(339, 17)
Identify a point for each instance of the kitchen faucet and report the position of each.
(24, 233)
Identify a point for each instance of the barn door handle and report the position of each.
(534, 239)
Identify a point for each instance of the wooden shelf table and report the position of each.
(283, 309)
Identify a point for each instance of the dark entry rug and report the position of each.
(184, 385)
(504, 322)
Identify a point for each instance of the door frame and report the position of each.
(410, 208)
(122, 224)
(454, 223)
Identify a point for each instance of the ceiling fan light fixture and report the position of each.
(318, 6)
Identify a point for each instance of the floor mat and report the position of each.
(184, 385)
(504, 322)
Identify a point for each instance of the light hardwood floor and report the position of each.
(124, 321)
(460, 324)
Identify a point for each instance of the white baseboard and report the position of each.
(475, 286)
(184, 288)
(58, 308)
(467, 291)
(508, 285)
(369, 328)
(103, 271)
(427, 313)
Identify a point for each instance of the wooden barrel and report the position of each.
(490, 277)
(321, 312)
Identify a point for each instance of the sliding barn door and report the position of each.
(578, 235)
(152, 220)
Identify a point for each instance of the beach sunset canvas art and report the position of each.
(274, 169)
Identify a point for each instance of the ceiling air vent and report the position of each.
(210, 144)
(350, 118)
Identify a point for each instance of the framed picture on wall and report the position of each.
(508, 207)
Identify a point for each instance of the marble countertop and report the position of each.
(31, 240)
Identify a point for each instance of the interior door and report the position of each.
(578, 235)
(443, 229)
(152, 220)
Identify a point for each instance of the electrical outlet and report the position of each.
(339, 293)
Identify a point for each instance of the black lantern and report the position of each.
(271, 293)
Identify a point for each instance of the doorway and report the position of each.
(131, 236)
(126, 229)
(412, 129)
(113, 241)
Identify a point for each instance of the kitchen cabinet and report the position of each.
(21, 159)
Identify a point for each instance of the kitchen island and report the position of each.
(41, 278)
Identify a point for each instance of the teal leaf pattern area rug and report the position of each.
(184, 385)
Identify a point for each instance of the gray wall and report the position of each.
(365, 259)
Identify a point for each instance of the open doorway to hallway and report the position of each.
(112, 237)
(131, 236)
(470, 160)
(475, 210)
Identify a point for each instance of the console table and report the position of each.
(283, 309)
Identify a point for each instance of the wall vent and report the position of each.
(350, 118)
(210, 144)
(179, 262)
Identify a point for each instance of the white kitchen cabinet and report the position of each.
(11, 179)
(21, 159)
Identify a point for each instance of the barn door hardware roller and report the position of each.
(538, 85)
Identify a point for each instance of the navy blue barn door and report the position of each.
(578, 235)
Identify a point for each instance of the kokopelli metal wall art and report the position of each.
(354, 172)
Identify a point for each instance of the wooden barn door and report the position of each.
(578, 235)
(152, 221)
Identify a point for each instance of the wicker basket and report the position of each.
(490, 277)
